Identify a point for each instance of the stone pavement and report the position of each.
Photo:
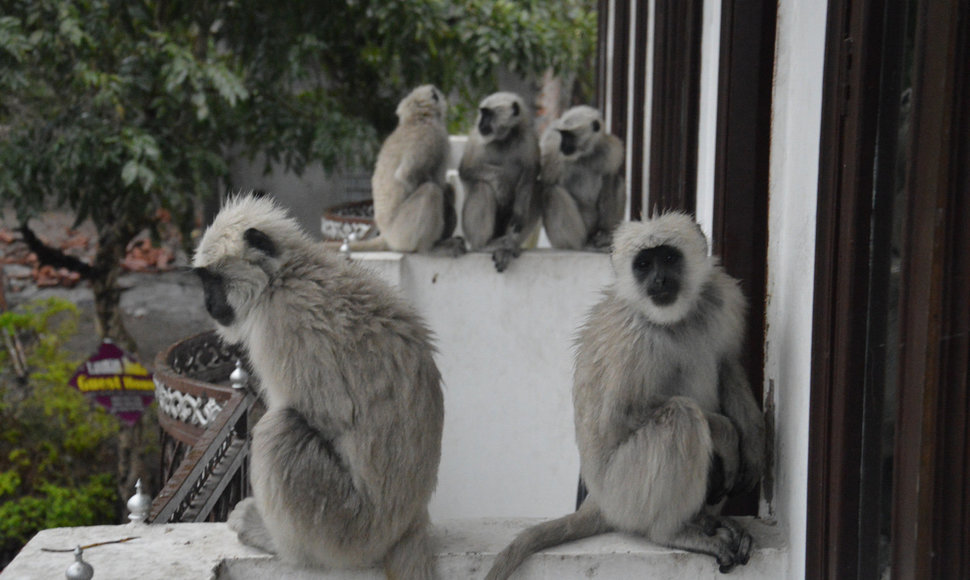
(158, 308)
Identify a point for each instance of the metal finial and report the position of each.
(239, 378)
(79, 569)
(345, 247)
(139, 505)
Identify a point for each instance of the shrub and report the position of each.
(57, 450)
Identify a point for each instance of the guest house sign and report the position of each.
(116, 381)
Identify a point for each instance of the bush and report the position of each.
(57, 450)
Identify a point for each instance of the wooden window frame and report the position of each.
(931, 527)
(675, 108)
(741, 163)
(931, 517)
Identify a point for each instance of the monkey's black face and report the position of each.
(485, 117)
(567, 142)
(216, 302)
(660, 271)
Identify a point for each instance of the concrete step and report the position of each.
(465, 549)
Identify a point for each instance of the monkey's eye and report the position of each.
(596, 126)
(666, 258)
(434, 95)
(643, 261)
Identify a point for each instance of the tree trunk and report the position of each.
(112, 243)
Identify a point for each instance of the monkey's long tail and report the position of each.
(586, 521)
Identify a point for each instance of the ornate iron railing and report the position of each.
(205, 431)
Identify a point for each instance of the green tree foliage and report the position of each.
(120, 108)
(56, 449)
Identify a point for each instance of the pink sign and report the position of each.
(116, 381)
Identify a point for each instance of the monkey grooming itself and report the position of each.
(498, 170)
(666, 423)
(345, 459)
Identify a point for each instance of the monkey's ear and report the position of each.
(260, 241)
(596, 126)
(515, 109)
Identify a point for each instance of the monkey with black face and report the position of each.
(345, 458)
(498, 170)
(414, 207)
(584, 189)
(666, 423)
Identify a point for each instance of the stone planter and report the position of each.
(355, 217)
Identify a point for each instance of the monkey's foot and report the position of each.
(738, 539)
(248, 525)
(719, 536)
(453, 247)
(601, 241)
(740, 556)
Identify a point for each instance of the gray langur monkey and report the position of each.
(414, 207)
(666, 423)
(584, 191)
(498, 170)
(346, 457)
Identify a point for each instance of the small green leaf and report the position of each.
(129, 173)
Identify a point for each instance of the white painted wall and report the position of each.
(796, 118)
(505, 352)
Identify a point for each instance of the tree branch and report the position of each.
(53, 256)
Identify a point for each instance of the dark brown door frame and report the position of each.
(931, 525)
(740, 228)
(675, 110)
(618, 70)
(676, 105)
(843, 272)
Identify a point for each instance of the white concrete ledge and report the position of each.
(465, 549)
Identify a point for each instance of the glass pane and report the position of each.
(885, 250)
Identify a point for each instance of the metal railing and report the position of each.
(205, 431)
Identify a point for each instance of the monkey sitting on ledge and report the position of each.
(498, 170)
(666, 423)
(414, 207)
(346, 457)
(584, 191)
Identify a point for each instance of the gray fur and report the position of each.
(656, 395)
(414, 207)
(498, 171)
(582, 178)
(345, 459)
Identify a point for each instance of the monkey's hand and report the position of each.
(509, 247)
(503, 257)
